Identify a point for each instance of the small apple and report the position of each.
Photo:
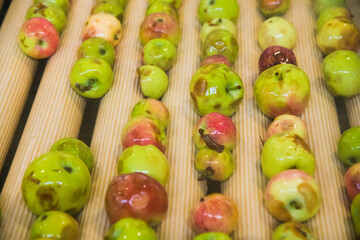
(216, 88)
(154, 108)
(132, 229)
(355, 215)
(55, 224)
(103, 25)
(216, 24)
(56, 181)
(282, 89)
(275, 55)
(97, 48)
(271, 8)
(91, 77)
(349, 146)
(287, 122)
(38, 38)
(136, 195)
(352, 181)
(277, 31)
(64, 4)
(160, 6)
(160, 52)
(218, 58)
(293, 231)
(293, 195)
(321, 5)
(341, 71)
(330, 13)
(212, 236)
(175, 3)
(108, 7)
(210, 9)
(216, 213)
(153, 81)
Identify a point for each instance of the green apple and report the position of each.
(215, 24)
(121, 3)
(97, 48)
(286, 150)
(342, 73)
(145, 159)
(277, 31)
(64, 4)
(321, 5)
(212, 236)
(56, 181)
(153, 81)
(114, 9)
(216, 88)
(330, 13)
(160, 52)
(160, 6)
(154, 108)
(55, 224)
(349, 146)
(132, 229)
(175, 3)
(91, 77)
(355, 214)
(293, 231)
(75, 147)
(210, 9)
(51, 12)
(271, 8)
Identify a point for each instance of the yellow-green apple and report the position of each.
(175, 3)
(97, 48)
(56, 181)
(271, 8)
(212, 236)
(293, 231)
(282, 89)
(136, 195)
(153, 81)
(286, 150)
(215, 213)
(330, 13)
(38, 38)
(210, 9)
(218, 58)
(352, 181)
(160, 6)
(113, 8)
(355, 215)
(321, 5)
(159, 52)
(132, 229)
(216, 88)
(277, 31)
(293, 195)
(349, 146)
(103, 25)
(275, 55)
(121, 3)
(64, 4)
(215, 24)
(287, 122)
(341, 71)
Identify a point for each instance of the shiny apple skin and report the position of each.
(352, 181)
(270, 8)
(212, 236)
(275, 55)
(218, 58)
(293, 231)
(136, 195)
(287, 122)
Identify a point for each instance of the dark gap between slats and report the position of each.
(88, 121)
(4, 9)
(342, 114)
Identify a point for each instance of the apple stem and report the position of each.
(233, 88)
(206, 173)
(211, 143)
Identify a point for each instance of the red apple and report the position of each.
(136, 195)
(38, 38)
(218, 58)
(352, 181)
(287, 122)
(274, 55)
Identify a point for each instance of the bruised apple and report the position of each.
(287, 122)
(352, 181)
(275, 55)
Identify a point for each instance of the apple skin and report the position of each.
(38, 38)
(160, 52)
(321, 5)
(271, 8)
(212, 236)
(97, 48)
(64, 4)
(130, 228)
(277, 31)
(218, 58)
(154, 108)
(144, 131)
(146, 159)
(349, 147)
(216, 88)
(330, 13)
(114, 9)
(341, 71)
(293, 231)
(286, 150)
(355, 214)
(293, 195)
(216, 213)
(121, 3)
(136, 195)
(287, 122)
(216, 24)
(91, 77)
(175, 3)
(210, 9)
(56, 181)
(153, 81)
(216, 131)
(282, 89)
(352, 181)
(160, 6)
(103, 25)
(159, 25)
(275, 55)
(55, 224)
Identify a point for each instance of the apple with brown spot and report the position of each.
(352, 181)
(275, 55)
(287, 122)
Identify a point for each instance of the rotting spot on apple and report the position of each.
(46, 196)
(44, 217)
(200, 87)
(310, 196)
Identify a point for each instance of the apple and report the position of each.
(218, 58)
(217, 166)
(216, 88)
(293, 195)
(38, 38)
(56, 181)
(160, 52)
(293, 231)
(210, 9)
(287, 122)
(220, 42)
(55, 224)
(97, 48)
(349, 146)
(355, 215)
(271, 8)
(175, 3)
(160, 6)
(286, 150)
(136, 195)
(352, 181)
(215, 213)
(103, 25)
(321, 5)
(130, 228)
(153, 81)
(109, 7)
(277, 31)
(216, 131)
(212, 236)
(282, 89)
(122, 3)
(91, 77)
(75, 147)
(275, 55)
(64, 4)
(144, 130)
(216, 24)
(154, 108)
(338, 33)
(331, 13)
(341, 71)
